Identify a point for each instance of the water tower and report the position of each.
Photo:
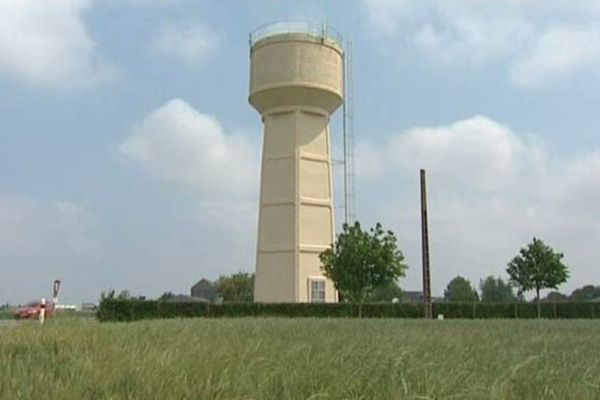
(296, 83)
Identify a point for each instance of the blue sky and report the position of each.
(106, 107)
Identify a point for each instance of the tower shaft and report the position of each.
(296, 220)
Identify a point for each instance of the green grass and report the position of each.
(301, 359)
(6, 314)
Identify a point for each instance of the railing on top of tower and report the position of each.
(320, 31)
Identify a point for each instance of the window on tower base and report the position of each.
(317, 290)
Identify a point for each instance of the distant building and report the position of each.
(204, 289)
(412, 297)
(181, 298)
(88, 306)
(416, 297)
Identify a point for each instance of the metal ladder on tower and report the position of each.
(348, 137)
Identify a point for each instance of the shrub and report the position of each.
(112, 309)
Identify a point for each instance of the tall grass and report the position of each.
(6, 314)
(301, 359)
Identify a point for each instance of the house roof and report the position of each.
(413, 293)
(203, 283)
(180, 298)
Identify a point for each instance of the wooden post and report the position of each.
(42, 314)
(55, 289)
(425, 250)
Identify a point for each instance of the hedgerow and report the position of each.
(135, 309)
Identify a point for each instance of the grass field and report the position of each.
(6, 314)
(300, 359)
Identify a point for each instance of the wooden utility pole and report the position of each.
(425, 250)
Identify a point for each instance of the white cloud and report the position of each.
(539, 42)
(68, 208)
(147, 2)
(179, 144)
(368, 160)
(189, 42)
(491, 190)
(476, 151)
(46, 43)
(26, 221)
(472, 42)
(41, 241)
(558, 53)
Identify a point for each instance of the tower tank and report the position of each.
(296, 83)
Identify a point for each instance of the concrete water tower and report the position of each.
(296, 83)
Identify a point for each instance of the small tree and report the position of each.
(236, 288)
(537, 267)
(361, 261)
(385, 293)
(555, 297)
(166, 296)
(460, 289)
(496, 290)
(585, 293)
(124, 295)
(108, 295)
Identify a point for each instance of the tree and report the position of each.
(460, 289)
(555, 297)
(108, 295)
(496, 290)
(585, 293)
(124, 295)
(166, 296)
(236, 288)
(360, 261)
(537, 267)
(385, 293)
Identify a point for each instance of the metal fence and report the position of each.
(321, 31)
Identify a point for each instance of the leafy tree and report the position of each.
(360, 261)
(496, 290)
(555, 297)
(166, 296)
(459, 289)
(385, 293)
(537, 267)
(236, 288)
(585, 293)
(109, 295)
(123, 295)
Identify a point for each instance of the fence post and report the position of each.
(42, 313)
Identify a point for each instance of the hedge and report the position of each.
(134, 309)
